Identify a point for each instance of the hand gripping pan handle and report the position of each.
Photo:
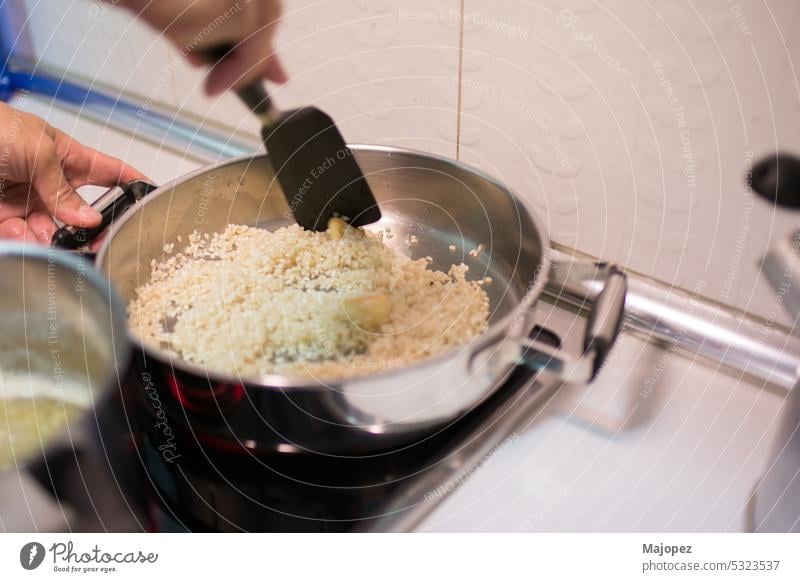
(111, 205)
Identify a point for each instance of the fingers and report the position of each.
(55, 191)
(23, 211)
(252, 59)
(98, 242)
(195, 59)
(276, 72)
(16, 201)
(84, 165)
(17, 229)
(42, 226)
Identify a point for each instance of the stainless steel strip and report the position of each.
(689, 323)
(655, 311)
(147, 120)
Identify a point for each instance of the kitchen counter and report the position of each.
(658, 443)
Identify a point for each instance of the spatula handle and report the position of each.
(257, 99)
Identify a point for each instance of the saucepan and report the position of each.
(441, 202)
(63, 351)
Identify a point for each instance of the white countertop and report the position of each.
(658, 443)
(617, 457)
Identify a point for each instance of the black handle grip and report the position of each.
(777, 178)
(111, 206)
(605, 319)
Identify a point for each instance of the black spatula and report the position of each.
(316, 170)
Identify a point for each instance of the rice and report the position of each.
(249, 301)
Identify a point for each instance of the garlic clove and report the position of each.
(369, 311)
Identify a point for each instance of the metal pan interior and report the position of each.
(444, 205)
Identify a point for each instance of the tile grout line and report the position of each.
(460, 77)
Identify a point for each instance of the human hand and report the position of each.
(197, 25)
(40, 168)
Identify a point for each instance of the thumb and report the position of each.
(58, 195)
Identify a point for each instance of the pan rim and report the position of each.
(505, 326)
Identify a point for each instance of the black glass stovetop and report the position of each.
(210, 491)
(129, 483)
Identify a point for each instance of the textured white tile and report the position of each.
(383, 70)
(717, 104)
(104, 45)
(628, 126)
(541, 104)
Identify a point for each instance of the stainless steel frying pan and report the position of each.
(441, 202)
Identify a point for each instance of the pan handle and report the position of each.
(111, 205)
(605, 319)
(602, 329)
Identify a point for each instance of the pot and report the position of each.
(63, 341)
(441, 202)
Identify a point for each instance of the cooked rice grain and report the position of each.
(250, 301)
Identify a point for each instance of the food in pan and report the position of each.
(333, 304)
(33, 410)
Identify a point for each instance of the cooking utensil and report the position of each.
(64, 328)
(110, 205)
(317, 171)
(441, 203)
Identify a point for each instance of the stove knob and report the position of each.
(777, 178)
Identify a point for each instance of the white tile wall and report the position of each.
(628, 125)
(380, 68)
(562, 99)
(99, 43)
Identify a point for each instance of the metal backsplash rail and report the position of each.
(198, 139)
(674, 318)
(690, 324)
